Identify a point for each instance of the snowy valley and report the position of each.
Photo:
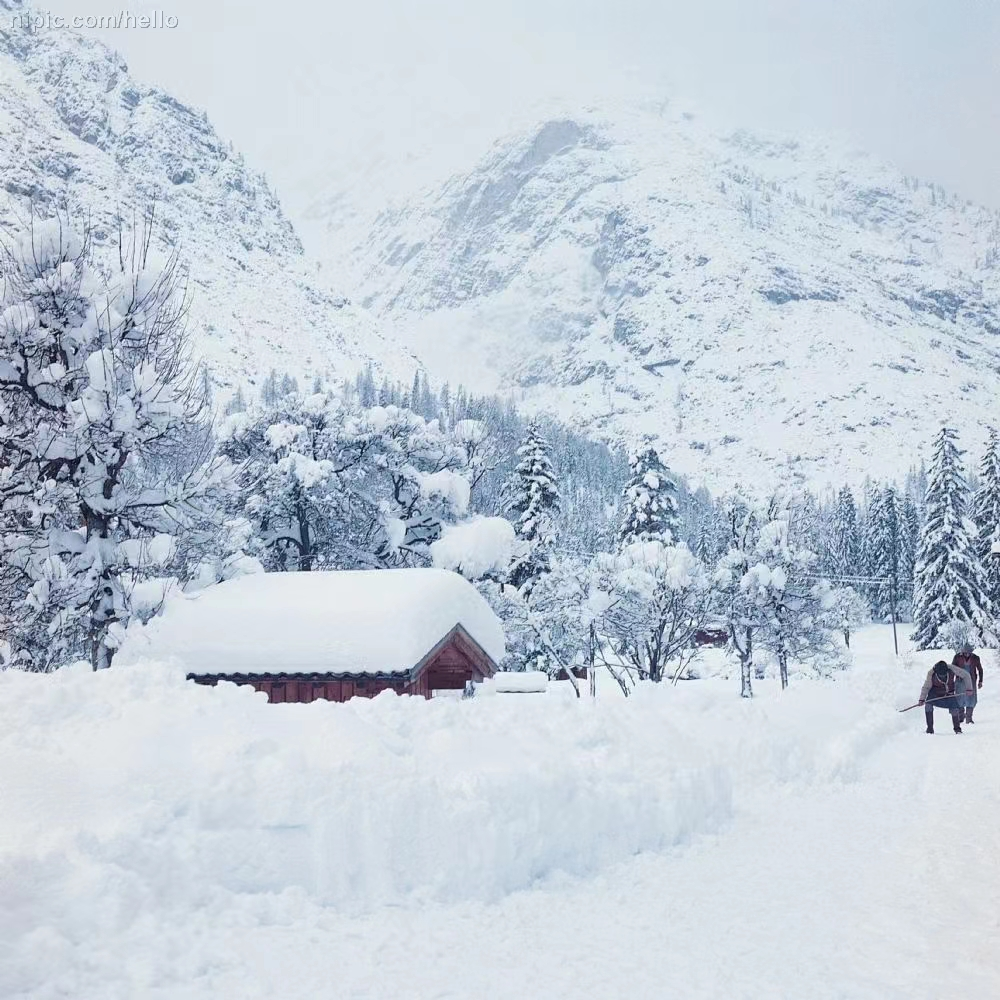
(539, 583)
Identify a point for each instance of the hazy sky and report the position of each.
(305, 88)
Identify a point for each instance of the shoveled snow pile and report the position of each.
(361, 621)
(169, 841)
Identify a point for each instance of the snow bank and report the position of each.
(139, 807)
(132, 790)
(362, 621)
(525, 682)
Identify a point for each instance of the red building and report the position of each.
(302, 637)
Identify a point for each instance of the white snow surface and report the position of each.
(164, 841)
(476, 547)
(520, 682)
(357, 621)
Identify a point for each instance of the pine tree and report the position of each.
(909, 544)
(650, 502)
(533, 504)
(883, 550)
(986, 514)
(846, 542)
(947, 584)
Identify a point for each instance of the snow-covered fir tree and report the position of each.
(882, 550)
(533, 502)
(909, 544)
(986, 514)
(948, 579)
(845, 542)
(650, 508)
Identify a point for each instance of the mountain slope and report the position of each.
(766, 309)
(78, 133)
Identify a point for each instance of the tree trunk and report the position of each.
(847, 637)
(783, 668)
(305, 540)
(746, 667)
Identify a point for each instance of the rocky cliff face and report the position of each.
(78, 134)
(764, 308)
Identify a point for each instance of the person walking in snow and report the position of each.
(970, 662)
(939, 692)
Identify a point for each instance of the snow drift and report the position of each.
(140, 809)
(166, 792)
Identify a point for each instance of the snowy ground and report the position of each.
(165, 841)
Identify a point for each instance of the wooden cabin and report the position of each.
(302, 637)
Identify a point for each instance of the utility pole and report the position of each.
(892, 605)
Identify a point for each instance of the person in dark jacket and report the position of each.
(939, 692)
(970, 662)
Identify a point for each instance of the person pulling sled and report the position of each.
(967, 660)
(939, 692)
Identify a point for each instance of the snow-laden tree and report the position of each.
(343, 486)
(850, 611)
(96, 395)
(882, 548)
(909, 543)
(405, 477)
(986, 514)
(532, 505)
(845, 537)
(550, 628)
(733, 604)
(948, 580)
(657, 597)
(285, 453)
(650, 509)
(764, 592)
(796, 612)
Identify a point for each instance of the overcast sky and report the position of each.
(305, 87)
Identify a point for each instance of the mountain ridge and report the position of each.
(759, 306)
(79, 135)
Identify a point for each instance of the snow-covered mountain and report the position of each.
(765, 308)
(77, 131)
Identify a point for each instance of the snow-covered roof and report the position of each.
(363, 621)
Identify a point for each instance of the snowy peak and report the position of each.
(78, 133)
(761, 306)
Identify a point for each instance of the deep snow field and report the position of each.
(163, 840)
